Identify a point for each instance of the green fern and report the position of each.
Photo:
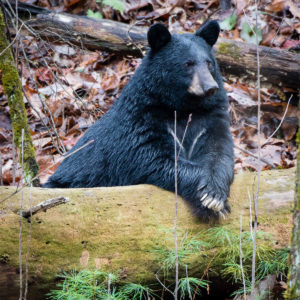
(187, 287)
(137, 291)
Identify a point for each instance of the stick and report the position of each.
(282, 119)
(259, 157)
(44, 206)
(1, 176)
(256, 157)
(241, 257)
(176, 210)
(20, 221)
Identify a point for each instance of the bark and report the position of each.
(293, 290)
(13, 90)
(123, 227)
(225, 4)
(278, 67)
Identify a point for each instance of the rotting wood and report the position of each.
(278, 67)
(44, 206)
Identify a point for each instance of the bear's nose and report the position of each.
(211, 90)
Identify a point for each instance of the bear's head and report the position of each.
(182, 68)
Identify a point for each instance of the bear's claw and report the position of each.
(204, 196)
(212, 203)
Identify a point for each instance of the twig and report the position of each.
(21, 189)
(205, 272)
(259, 156)
(1, 176)
(132, 41)
(12, 42)
(241, 257)
(250, 213)
(187, 281)
(28, 246)
(20, 221)
(185, 130)
(256, 157)
(282, 119)
(14, 162)
(44, 206)
(176, 210)
(157, 278)
(108, 286)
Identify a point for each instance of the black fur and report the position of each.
(134, 143)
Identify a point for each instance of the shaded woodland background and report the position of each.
(67, 88)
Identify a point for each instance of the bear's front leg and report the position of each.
(215, 158)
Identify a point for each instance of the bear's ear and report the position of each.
(209, 31)
(158, 36)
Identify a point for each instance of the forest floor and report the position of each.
(67, 88)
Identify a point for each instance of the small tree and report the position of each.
(13, 90)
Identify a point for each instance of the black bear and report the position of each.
(134, 140)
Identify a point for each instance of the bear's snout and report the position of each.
(203, 84)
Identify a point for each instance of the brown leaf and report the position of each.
(110, 81)
(159, 13)
(44, 75)
(277, 6)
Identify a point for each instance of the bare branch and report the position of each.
(256, 157)
(157, 278)
(282, 119)
(44, 206)
(176, 209)
(241, 256)
(259, 156)
(28, 246)
(20, 221)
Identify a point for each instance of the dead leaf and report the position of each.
(276, 6)
(110, 81)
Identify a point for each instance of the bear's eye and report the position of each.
(190, 63)
(209, 64)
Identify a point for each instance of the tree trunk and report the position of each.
(13, 91)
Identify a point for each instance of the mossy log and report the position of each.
(13, 90)
(119, 228)
(277, 67)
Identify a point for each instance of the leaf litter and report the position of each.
(67, 88)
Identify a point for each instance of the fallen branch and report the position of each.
(277, 67)
(44, 206)
(256, 157)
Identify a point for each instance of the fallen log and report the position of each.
(278, 67)
(121, 228)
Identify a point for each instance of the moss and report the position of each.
(13, 91)
(121, 227)
(225, 48)
(293, 290)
